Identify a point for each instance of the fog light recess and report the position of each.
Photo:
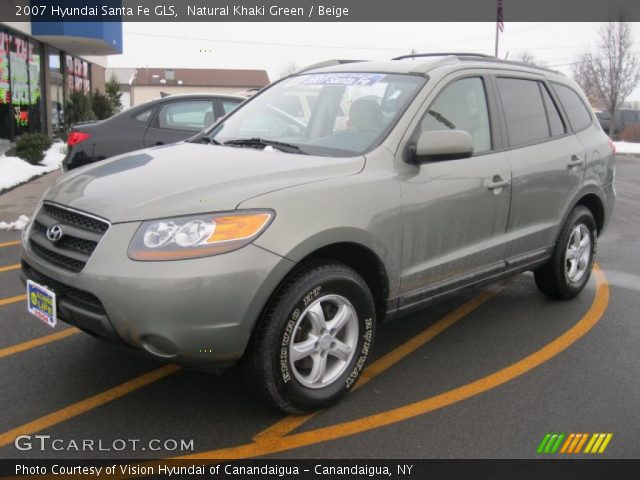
(159, 346)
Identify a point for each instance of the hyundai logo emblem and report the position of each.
(54, 233)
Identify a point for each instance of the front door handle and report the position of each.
(575, 161)
(159, 143)
(497, 182)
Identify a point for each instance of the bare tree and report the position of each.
(525, 56)
(288, 69)
(612, 71)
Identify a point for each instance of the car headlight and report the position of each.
(197, 235)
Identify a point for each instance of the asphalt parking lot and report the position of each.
(486, 374)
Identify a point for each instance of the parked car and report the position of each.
(281, 241)
(167, 120)
(623, 118)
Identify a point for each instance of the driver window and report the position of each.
(462, 106)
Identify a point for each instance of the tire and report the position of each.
(315, 297)
(563, 277)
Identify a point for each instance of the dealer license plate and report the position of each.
(41, 302)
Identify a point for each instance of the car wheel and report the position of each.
(570, 266)
(314, 339)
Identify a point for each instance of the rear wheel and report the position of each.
(570, 266)
(314, 339)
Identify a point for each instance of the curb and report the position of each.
(6, 190)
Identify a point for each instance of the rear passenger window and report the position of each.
(556, 125)
(462, 106)
(144, 116)
(524, 111)
(579, 116)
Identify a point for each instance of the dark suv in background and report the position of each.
(159, 122)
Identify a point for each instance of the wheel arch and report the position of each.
(595, 204)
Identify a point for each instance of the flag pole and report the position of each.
(499, 23)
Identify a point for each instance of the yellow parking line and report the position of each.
(10, 300)
(37, 342)
(333, 432)
(421, 407)
(291, 422)
(87, 404)
(10, 244)
(8, 268)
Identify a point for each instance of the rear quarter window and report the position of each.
(524, 111)
(576, 110)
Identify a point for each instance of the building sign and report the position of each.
(5, 89)
(77, 75)
(19, 72)
(34, 74)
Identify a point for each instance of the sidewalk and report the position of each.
(23, 200)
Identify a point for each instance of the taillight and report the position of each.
(77, 137)
(612, 146)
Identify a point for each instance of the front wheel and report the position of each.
(314, 339)
(570, 266)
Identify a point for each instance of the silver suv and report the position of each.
(334, 199)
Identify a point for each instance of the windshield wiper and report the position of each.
(261, 142)
(204, 139)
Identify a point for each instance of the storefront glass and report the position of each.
(20, 85)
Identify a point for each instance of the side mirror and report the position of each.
(438, 145)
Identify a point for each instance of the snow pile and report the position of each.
(19, 224)
(14, 170)
(627, 147)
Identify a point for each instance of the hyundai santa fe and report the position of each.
(336, 198)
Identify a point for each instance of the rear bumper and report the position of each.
(197, 312)
(609, 192)
(76, 157)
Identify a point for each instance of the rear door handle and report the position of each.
(575, 161)
(159, 143)
(497, 182)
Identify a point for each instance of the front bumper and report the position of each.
(197, 312)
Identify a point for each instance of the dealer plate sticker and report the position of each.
(41, 302)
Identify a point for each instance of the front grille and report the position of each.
(80, 236)
(64, 292)
(79, 220)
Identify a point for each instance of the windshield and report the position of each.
(331, 114)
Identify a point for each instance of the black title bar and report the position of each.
(316, 10)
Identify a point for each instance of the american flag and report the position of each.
(500, 17)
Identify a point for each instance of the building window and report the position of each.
(77, 75)
(20, 85)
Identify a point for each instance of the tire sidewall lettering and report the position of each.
(366, 320)
(287, 334)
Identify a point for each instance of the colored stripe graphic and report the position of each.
(567, 443)
(598, 442)
(551, 442)
(544, 442)
(555, 447)
(572, 443)
(581, 442)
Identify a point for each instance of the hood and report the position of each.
(188, 178)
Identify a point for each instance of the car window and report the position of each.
(144, 116)
(193, 115)
(229, 106)
(462, 106)
(333, 114)
(524, 110)
(556, 125)
(579, 116)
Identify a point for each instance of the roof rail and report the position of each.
(443, 54)
(487, 58)
(327, 63)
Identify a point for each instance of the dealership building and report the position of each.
(42, 62)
